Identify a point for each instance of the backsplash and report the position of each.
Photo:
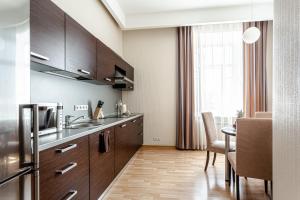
(50, 88)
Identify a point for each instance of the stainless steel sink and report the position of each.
(79, 125)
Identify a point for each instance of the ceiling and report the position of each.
(142, 14)
(154, 6)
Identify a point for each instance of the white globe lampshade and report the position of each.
(251, 35)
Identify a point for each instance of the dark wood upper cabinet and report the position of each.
(80, 49)
(101, 164)
(60, 44)
(47, 34)
(106, 60)
(128, 69)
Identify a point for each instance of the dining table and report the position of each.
(228, 131)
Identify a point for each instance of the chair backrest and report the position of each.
(263, 115)
(210, 128)
(254, 148)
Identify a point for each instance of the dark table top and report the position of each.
(229, 131)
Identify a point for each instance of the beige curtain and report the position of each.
(186, 139)
(255, 83)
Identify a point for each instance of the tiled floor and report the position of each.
(167, 173)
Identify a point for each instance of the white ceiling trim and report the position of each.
(200, 16)
(116, 11)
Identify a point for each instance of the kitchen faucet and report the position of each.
(68, 118)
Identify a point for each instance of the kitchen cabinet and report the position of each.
(81, 170)
(106, 61)
(47, 34)
(137, 132)
(122, 146)
(64, 171)
(128, 139)
(80, 50)
(129, 70)
(101, 164)
(60, 45)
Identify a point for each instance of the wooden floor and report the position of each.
(167, 173)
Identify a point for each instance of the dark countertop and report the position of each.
(66, 135)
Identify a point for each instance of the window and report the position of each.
(218, 71)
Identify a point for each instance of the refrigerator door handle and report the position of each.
(19, 173)
(36, 152)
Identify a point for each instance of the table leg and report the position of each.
(227, 147)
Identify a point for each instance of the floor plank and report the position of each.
(167, 173)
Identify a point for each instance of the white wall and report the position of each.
(153, 54)
(286, 106)
(92, 15)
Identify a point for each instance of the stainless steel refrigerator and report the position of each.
(18, 150)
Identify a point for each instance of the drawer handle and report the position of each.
(39, 56)
(84, 71)
(66, 169)
(69, 147)
(108, 79)
(140, 134)
(71, 194)
(123, 126)
(133, 121)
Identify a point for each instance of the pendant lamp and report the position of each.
(252, 34)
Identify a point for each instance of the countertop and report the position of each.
(66, 135)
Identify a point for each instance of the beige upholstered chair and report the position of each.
(253, 156)
(267, 115)
(213, 144)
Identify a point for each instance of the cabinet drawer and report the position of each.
(64, 171)
(58, 156)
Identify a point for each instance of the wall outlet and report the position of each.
(156, 139)
(80, 107)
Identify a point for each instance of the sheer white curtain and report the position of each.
(218, 54)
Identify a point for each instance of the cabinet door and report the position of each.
(140, 125)
(47, 34)
(101, 164)
(122, 146)
(137, 133)
(106, 60)
(129, 71)
(80, 50)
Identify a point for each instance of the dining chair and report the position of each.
(213, 144)
(267, 115)
(253, 155)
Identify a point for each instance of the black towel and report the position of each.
(104, 142)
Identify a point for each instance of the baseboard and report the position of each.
(159, 146)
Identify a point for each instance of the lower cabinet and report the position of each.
(123, 147)
(64, 171)
(129, 138)
(102, 163)
(83, 168)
